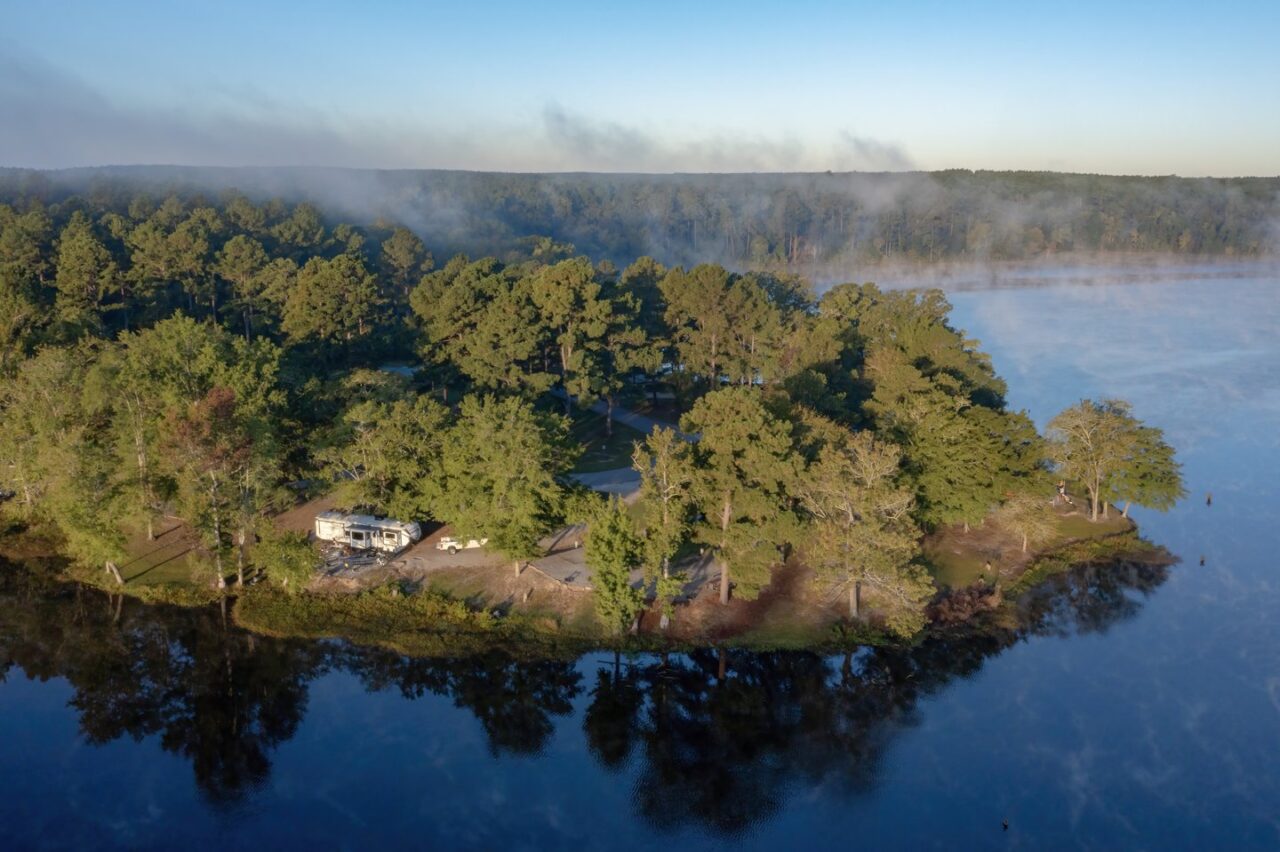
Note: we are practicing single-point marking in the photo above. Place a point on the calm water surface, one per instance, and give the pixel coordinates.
(1134, 708)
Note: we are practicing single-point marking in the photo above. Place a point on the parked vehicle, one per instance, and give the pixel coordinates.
(366, 532)
(452, 544)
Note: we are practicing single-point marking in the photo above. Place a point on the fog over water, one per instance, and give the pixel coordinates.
(1131, 709)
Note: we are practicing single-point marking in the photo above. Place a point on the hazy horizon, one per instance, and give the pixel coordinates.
(615, 173)
(662, 89)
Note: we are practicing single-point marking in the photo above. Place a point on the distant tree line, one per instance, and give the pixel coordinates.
(819, 224)
(191, 357)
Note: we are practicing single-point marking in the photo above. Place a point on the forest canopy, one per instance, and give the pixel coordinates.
(205, 358)
(821, 224)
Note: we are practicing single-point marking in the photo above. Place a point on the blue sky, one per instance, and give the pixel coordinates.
(1147, 88)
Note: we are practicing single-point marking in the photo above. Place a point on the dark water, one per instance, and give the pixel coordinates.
(1131, 707)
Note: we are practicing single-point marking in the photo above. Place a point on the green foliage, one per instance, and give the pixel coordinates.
(961, 457)
(404, 259)
(914, 325)
(732, 326)
(1030, 517)
(388, 455)
(332, 302)
(474, 318)
(665, 464)
(1149, 475)
(287, 559)
(862, 532)
(217, 351)
(745, 463)
(499, 474)
(576, 315)
(56, 454)
(241, 263)
(86, 277)
(1102, 446)
(420, 622)
(612, 550)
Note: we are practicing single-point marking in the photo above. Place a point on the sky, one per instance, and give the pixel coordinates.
(1118, 88)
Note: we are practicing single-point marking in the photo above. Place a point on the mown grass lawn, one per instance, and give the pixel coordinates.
(171, 559)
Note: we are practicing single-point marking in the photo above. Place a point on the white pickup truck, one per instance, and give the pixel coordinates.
(452, 545)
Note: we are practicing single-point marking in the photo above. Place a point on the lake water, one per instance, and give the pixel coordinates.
(1131, 708)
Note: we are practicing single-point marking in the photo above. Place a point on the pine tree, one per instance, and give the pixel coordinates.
(86, 276)
(863, 533)
(499, 472)
(612, 550)
(664, 462)
(745, 462)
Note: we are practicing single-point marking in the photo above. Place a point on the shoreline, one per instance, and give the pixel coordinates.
(425, 623)
(1093, 269)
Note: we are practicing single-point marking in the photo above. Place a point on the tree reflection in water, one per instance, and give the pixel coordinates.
(715, 738)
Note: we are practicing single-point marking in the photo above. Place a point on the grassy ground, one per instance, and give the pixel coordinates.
(603, 453)
(664, 410)
(423, 623)
(463, 610)
(958, 559)
(172, 558)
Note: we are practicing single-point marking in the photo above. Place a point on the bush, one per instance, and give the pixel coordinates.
(963, 604)
(287, 559)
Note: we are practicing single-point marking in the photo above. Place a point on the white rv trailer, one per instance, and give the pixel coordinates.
(366, 532)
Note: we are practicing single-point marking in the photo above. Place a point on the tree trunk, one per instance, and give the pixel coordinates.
(217, 535)
(966, 527)
(1024, 542)
(726, 514)
(240, 558)
(853, 602)
(565, 355)
(1106, 509)
(1125, 513)
(140, 448)
(724, 664)
(516, 564)
(857, 600)
(114, 572)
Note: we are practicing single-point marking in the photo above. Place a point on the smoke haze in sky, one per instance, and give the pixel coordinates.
(655, 87)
